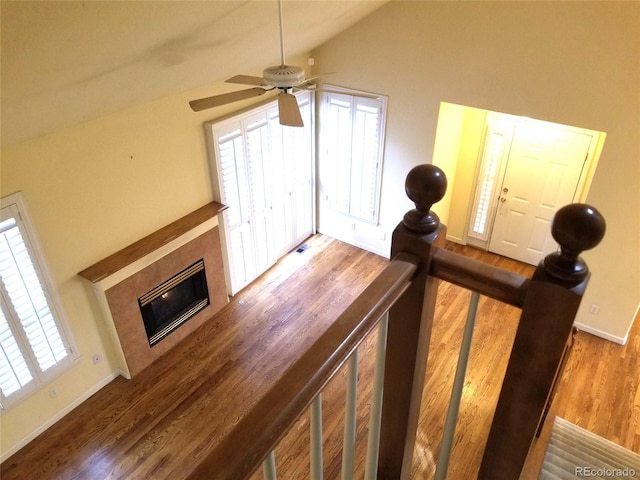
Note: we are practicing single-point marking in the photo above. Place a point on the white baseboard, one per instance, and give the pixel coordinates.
(382, 247)
(601, 334)
(455, 239)
(370, 248)
(101, 384)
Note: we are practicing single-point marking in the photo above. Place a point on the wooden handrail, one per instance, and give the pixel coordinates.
(258, 432)
(485, 279)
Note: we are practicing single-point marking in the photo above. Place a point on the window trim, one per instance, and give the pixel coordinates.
(36, 253)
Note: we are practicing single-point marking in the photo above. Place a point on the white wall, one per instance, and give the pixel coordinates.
(574, 63)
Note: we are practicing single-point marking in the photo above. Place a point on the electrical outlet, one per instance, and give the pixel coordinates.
(96, 358)
(594, 309)
(53, 393)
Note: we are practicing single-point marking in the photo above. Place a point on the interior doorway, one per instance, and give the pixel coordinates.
(508, 177)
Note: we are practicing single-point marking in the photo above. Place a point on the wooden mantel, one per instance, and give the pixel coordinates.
(128, 255)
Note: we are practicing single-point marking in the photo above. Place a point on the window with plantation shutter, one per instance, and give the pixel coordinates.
(235, 192)
(486, 190)
(351, 145)
(264, 173)
(496, 148)
(34, 345)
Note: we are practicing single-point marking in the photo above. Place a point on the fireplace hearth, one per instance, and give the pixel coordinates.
(174, 302)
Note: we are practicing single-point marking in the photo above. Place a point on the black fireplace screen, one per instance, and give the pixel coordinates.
(174, 301)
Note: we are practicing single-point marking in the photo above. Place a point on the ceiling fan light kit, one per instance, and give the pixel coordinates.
(283, 76)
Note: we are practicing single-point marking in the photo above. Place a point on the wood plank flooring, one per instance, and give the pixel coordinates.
(159, 424)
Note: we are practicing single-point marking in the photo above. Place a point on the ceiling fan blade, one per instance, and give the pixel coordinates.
(289, 110)
(223, 99)
(322, 89)
(247, 80)
(318, 76)
(308, 82)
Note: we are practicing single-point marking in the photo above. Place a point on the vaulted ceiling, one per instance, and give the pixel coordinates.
(66, 62)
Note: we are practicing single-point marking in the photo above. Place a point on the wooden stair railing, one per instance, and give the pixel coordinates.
(407, 290)
(258, 432)
(549, 303)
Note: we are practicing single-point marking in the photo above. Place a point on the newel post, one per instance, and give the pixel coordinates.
(550, 306)
(410, 321)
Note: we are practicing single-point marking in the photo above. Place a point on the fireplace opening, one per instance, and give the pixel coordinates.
(174, 301)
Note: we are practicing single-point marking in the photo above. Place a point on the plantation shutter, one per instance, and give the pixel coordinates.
(351, 149)
(494, 155)
(31, 341)
(15, 374)
(235, 194)
(365, 161)
(292, 175)
(258, 159)
(263, 173)
(336, 161)
(301, 162)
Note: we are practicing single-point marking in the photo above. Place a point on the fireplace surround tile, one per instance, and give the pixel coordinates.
(123, 299)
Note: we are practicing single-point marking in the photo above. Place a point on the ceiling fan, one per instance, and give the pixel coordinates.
(283, 77)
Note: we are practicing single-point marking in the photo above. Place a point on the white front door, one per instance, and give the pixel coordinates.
(542, 174)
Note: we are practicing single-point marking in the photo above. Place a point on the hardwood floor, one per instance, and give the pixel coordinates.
(159, 424)
(600, 388)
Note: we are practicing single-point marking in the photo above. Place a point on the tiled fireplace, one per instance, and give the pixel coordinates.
(137, 286)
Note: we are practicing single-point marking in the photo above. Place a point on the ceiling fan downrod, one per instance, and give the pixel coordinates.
(283, 76)
(281, 34)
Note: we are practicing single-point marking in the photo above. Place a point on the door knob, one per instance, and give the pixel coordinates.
(502, 199)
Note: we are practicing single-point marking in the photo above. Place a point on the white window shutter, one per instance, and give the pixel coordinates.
(301, 161)
(493, 158)
(34, 346)
(28, 299)
(14, 372)
(351, 139)
(257, 172)
(365, 160)
(337, 143)
(258, 161)
(235, 194)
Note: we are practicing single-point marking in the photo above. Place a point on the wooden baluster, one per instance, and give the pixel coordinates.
(410, 321)
(550, 305)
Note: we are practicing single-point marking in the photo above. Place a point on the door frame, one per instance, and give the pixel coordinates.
(505, 124)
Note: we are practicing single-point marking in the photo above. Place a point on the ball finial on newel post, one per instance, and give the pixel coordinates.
(576, 227)
(425, 185)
